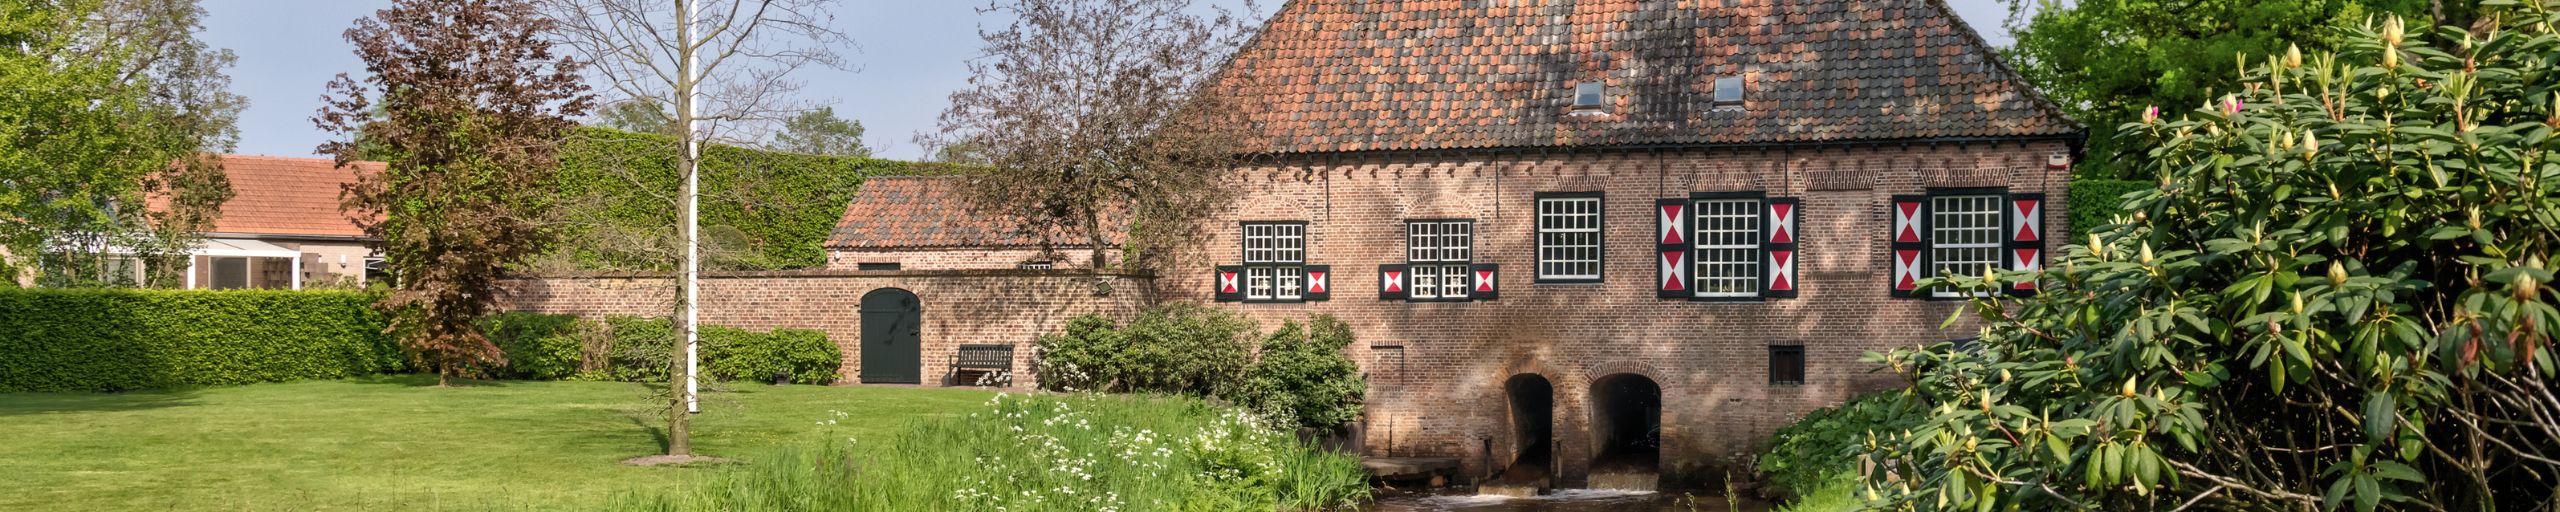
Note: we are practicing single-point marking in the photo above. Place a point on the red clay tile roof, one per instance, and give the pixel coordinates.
(918, 212)
(1355, 75)
(287, 196)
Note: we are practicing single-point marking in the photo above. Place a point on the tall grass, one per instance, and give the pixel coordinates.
(1033, 453)
(1837, 493)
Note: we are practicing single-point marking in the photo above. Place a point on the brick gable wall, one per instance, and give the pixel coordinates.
(1442, 392)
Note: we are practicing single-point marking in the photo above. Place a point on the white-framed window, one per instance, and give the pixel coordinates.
(1569, 238)
(1275, 255)
(1727, 254)
(1437, 253)
(1964, 236)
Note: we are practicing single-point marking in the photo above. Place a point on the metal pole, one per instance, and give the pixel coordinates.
(692, 209)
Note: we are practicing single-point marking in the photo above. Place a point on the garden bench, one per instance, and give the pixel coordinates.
(992, 361)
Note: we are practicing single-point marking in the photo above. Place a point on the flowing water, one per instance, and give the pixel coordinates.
(1563, 500)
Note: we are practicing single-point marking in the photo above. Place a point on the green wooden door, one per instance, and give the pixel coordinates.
(892, 337)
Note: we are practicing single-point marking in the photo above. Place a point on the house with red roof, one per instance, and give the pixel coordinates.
(923, 223)
(1617, 243)
(284, 228)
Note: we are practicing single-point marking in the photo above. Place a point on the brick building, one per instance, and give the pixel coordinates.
(1589, 239)
(911, 279)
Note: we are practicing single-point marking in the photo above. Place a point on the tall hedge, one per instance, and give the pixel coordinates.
(2098, 202)
(768, 210)
(115, 340)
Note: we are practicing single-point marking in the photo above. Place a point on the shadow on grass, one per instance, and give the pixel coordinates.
(17, 404)
(416, 380)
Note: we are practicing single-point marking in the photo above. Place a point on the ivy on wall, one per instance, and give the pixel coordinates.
(761, 210)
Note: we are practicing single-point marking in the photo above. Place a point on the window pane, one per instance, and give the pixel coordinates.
(1728, 248)
(1292, 280)
(1257, 282)
(1569, 238)
(1965, 236)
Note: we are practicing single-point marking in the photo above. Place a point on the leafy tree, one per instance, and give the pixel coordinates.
(2105, 62)
(719, 64)
(638, 116)
(820, 132)
(113, 111)
(2335, 298)
(465, 102)
(1096, 116)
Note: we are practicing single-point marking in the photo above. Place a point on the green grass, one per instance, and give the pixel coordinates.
(393, 442)
(1041, 453)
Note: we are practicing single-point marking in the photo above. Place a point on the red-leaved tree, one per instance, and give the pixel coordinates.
(465, 102)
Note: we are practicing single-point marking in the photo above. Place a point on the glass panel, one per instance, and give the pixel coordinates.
(1728, 248)
(1964, 236)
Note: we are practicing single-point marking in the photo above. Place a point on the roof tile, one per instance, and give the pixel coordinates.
(1351, 75)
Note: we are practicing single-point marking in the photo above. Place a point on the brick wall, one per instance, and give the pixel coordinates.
(960, 307)
(959, 259)
(1442, 392)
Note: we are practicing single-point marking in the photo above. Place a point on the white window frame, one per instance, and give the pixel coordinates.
(1569, 237)
(1439, 254)
(1966, 236)
(1725, 251)
(1275, 258)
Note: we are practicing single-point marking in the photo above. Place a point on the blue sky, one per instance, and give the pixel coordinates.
(912, 55)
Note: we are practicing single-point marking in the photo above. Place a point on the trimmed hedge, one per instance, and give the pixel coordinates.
(763, 210)
(2098, 202)
(117, 340)
(638, 349)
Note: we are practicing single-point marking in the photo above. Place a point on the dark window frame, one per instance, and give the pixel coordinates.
(1778, 372)
(1930, 240)
(1410, 264)
(1697, 237)
(1538, 241)
(1244, 251)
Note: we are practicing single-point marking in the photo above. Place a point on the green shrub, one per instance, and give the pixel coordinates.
(537, 346)
(640, 348)
(781, 357)
(115, 340)
(1179, 349)
(1302, 377)
(1836, 494)
(1824, 445)
(2096, 203)
(1042, 453)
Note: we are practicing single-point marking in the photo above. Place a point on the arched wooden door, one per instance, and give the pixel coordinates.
(892, 337)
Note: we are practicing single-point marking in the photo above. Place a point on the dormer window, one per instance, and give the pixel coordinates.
(1729, 92)
(1590, 98)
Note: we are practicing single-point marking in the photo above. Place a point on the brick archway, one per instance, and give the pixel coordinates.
(1625, 417)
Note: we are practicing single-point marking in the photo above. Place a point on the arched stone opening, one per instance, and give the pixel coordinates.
(1533, 405)
(1626, 425)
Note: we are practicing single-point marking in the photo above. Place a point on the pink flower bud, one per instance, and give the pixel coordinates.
(2151, 114)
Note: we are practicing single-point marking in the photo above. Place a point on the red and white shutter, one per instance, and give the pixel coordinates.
(1393, 281)
(1319, 283)
(1779, 247)
(1910, 247)
(1671, 248)
(2026, 240)
(1484, 282)
(1230, 283)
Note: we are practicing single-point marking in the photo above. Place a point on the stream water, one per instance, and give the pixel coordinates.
(1563, 500)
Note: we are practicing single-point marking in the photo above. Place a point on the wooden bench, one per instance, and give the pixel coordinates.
(993, 363)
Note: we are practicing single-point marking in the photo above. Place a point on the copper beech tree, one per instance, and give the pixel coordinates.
(464, 101)
(1102, 115)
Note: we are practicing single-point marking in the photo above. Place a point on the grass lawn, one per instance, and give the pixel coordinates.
(397, 442)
